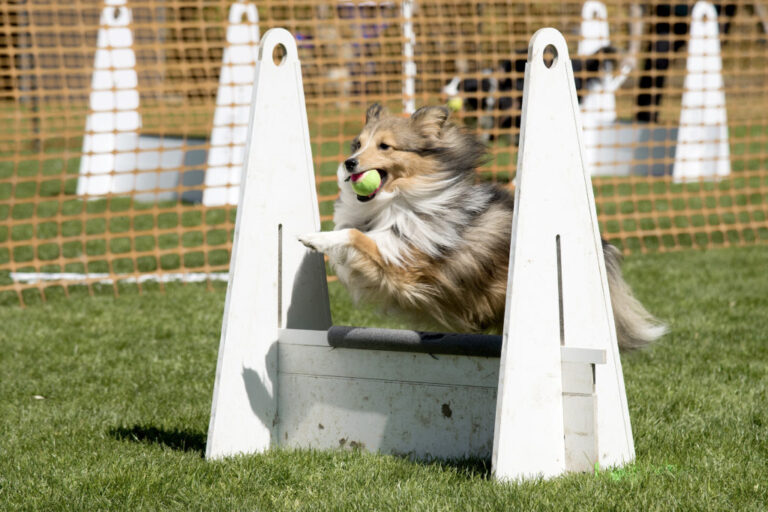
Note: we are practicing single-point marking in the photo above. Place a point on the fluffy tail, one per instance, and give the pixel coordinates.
(635, 326)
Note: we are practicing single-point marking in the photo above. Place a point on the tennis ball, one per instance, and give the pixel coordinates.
(366, 183)
(455, 103)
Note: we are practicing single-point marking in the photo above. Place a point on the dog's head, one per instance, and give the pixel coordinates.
(410, 153)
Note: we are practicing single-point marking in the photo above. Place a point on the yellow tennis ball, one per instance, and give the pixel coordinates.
(455, 103)
(366, 183)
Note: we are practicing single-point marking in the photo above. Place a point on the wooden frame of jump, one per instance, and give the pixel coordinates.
(553, 402)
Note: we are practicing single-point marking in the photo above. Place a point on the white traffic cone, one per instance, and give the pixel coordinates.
(598, 107)
(233, 102)
(702, 141)
(112, 127)
(594, 28)
(599, 104)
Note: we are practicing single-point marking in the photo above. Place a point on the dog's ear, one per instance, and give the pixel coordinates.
(374, 112)
(430, 120)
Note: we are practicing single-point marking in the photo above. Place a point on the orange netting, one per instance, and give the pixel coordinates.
(116, 164)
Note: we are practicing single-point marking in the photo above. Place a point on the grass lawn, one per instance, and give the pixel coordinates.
(104, 405)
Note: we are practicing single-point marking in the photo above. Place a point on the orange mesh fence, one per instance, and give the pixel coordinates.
(119, 166)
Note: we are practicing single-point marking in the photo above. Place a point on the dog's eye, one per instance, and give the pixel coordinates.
(384, 146)
(354, 146)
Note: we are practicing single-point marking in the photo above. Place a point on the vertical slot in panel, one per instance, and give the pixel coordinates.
(280, 275)
(560, 290)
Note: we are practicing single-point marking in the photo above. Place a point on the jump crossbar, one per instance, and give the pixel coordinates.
(420, 342)
(401, 340)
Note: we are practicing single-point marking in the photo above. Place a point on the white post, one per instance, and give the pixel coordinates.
(598, 105)
(594, 28)
(274, 281)
(702, 140)
(112, 127)
(409, 66)
(230, 120)
(557, 278)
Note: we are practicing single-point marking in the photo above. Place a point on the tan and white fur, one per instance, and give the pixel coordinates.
(432, 241)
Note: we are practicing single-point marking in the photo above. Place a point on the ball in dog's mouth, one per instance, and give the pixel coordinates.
(355, 177)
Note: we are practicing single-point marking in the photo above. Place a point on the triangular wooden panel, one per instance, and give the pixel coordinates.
(274, 281)
(559, 292)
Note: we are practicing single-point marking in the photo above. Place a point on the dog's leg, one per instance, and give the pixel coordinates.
(325, 241)
(331, 242)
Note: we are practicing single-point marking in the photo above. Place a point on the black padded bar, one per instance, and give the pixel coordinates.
(397, 340)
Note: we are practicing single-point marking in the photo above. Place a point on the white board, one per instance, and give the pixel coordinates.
(402, 403)
(275, 282)
(555, 252)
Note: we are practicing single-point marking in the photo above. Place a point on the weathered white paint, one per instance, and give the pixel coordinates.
(112, 126)
(233, 99)
(580, 431)
(554, 199)
(702, 143)
(275, 282)
(391, 402)
(403, 403)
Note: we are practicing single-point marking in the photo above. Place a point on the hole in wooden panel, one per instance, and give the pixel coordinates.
(279, 53)
(550, 56)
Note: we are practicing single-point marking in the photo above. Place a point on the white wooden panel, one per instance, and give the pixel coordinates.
(320, 339)
(387, 416)
(578, 378)
(394, 366)
(580, 442)
(553, 201)
(582, 355)
(274, 281)
(394, 402)
(322, 360)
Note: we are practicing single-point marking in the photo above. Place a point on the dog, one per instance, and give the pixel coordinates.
(433, 241)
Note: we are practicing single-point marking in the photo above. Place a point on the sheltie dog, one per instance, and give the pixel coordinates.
(431, 241)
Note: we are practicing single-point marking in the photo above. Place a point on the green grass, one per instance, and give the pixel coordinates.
(104, 405)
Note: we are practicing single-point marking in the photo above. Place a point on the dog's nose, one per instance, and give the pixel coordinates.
(350, 164)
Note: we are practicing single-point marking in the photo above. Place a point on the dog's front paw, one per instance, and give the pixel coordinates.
(324, 240)
(310, 240)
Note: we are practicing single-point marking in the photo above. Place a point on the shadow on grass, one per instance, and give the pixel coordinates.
(182, 440)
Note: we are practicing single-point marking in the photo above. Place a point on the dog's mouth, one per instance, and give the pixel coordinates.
(357, 175)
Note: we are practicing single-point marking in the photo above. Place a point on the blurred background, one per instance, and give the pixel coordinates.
(124, 121)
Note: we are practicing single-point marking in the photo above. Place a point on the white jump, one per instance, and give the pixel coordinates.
(233, 105)
(284, 379)
(699, 147)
